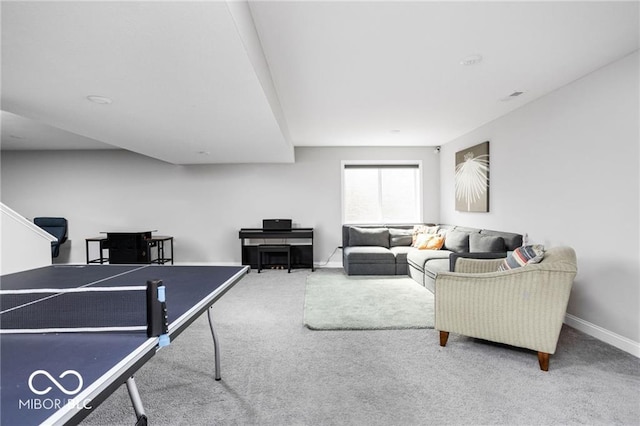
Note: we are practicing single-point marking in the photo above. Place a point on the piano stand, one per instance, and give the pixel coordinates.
(274, 248)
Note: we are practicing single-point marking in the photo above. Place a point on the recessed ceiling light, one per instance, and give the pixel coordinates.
(102, 100)
(471, 60)
(395, 131)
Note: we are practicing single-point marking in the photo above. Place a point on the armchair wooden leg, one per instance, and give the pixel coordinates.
(543, 360)
(444, 336)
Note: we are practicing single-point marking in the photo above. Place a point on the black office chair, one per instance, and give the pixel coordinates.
(56, 226)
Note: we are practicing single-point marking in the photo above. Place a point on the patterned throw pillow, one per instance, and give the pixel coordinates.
(419, 230)
(522, 256)
(425, 229)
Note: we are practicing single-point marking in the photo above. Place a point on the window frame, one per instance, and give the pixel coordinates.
(344, 164)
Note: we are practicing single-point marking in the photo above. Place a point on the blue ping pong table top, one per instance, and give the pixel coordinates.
(103, 361)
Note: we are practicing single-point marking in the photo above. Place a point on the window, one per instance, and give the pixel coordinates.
(382, 192)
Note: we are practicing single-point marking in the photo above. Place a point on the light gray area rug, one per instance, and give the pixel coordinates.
(336, 301)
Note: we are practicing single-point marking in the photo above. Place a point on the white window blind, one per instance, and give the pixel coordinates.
(381, 192)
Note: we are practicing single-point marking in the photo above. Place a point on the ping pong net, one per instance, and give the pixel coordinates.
(86, 309)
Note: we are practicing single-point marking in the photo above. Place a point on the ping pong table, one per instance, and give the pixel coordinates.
(59, 378)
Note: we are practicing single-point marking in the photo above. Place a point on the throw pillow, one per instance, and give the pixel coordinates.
(368, 237)
(435, 243)
(522, 256)
(422, 229)
(425, 229)
(457, 241)
(486, 243)
(429, 242)
(400, 237)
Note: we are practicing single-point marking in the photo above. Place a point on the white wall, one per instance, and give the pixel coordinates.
(203, 207)
(564, 169)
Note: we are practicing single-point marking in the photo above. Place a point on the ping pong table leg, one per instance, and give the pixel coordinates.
(136, 402)
(216, 346)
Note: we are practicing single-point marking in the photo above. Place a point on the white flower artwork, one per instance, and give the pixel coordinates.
(472, 179)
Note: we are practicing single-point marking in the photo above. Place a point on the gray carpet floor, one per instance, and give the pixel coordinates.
(275, 371)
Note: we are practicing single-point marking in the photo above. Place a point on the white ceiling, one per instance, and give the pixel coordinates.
(237, 82)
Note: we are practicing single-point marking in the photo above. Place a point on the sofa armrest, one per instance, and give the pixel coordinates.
(480, 267)
(524, 307)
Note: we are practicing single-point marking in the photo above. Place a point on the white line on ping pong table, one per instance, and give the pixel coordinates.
(73, 290)
(72, 330)
(82, 286)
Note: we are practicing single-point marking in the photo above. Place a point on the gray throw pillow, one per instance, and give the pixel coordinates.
(368, 237)
(400, 237)
(457, 241)
(479, 243)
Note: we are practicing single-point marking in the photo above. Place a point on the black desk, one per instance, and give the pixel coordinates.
(131, 248)
(301, 254)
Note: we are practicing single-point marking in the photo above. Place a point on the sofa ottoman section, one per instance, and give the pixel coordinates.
(369, 260)
(400, 253)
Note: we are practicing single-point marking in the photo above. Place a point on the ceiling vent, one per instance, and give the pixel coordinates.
(471, 60)
(512, 96)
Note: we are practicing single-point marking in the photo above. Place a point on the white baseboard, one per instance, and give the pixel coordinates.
(207, 264)
(329, 265)
(337, 264)
(603, 334)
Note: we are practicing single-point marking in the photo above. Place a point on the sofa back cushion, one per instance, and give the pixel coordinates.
(368, 237)
(466, 229)
(511, 240)
(486, 243)
(400, 237)
(457, 241)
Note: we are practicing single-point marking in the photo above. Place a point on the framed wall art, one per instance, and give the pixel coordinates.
(472, 179)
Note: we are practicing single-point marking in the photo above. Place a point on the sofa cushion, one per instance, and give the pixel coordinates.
(369, 254)
(400, 252)
(486, 243)
(418, 258)
(368, 237)
(434, 266)
(457, 241)
(522, 256)
(400, 237)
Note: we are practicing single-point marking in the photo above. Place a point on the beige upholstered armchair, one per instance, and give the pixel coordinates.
(523, 307)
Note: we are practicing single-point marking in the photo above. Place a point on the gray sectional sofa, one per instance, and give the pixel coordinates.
(387, 250)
